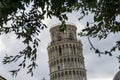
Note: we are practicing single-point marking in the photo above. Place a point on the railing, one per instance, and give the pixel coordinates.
(66, 39)
(67, 23)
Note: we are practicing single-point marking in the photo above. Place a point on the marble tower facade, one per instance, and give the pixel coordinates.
(66, 61)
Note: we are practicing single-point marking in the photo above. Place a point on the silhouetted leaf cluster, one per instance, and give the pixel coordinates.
(106, 21)
(25, 17)
(25, 20)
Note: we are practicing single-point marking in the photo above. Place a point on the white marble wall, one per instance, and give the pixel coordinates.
(66, 59)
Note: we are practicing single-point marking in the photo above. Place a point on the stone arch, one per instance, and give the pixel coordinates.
(73, 72)
(67, 45)
(64, 59)
(80, 72)
(76, 62)
(68, 59)
(53, 52)
(54, 62)
(62, 74)
(63, 49)
(62, 45)
(57, 50)
(77, 50)
(66, 73)
(70, 72)
(70, 45)
(77, 72)
(58, 74)
(55, 75)
(60, 50)
(50, 53)
(74, 50)
(75, 59)
(72, 59)
(55, 47)
(71, 36)
(57, 61)
(61, 60)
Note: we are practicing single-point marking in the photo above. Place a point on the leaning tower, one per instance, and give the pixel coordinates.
(66, 61)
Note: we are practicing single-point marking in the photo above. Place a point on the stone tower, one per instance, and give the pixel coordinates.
(66, 61)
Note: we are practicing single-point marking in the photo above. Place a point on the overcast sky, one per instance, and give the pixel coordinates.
(98, 68)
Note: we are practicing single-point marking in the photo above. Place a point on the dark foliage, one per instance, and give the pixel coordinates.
(27, 24)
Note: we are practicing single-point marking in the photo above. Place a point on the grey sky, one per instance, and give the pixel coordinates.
(98, 68)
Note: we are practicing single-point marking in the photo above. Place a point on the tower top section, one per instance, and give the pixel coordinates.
(68, 34)
(65, 52)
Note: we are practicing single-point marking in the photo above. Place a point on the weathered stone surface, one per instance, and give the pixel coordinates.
(66, 61)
